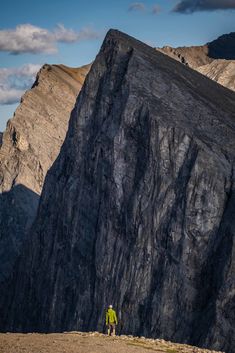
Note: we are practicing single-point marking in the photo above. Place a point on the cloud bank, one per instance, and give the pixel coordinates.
(137, 6)
(27, 38)
(14, 82)
(190, 6)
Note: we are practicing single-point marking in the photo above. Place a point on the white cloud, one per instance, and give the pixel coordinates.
(27, 38)
(10, 96)
(137, 6)
(14, 82)
(25, 70)
(156, 9)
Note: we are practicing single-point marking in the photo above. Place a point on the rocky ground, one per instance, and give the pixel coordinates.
(93, 342)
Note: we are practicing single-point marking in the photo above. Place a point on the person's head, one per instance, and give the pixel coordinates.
(110, 307)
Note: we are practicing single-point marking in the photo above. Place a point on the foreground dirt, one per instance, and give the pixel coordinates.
(78, 342)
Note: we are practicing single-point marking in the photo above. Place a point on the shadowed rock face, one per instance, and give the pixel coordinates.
(216, 59)
(223, 47)
(138, 209)
(28, 148)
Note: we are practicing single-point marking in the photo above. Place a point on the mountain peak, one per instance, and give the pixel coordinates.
(115, 36)
(222, 47)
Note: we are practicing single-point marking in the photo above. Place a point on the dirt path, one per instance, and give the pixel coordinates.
(77, 342)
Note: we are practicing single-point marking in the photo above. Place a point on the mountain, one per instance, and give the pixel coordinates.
(138, 208)
(216, 59)
(29, 146)
(34, 136)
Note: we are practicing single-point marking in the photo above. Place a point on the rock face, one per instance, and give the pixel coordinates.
(30, 144)
(221, 71)
(216, 59)
(138, 209)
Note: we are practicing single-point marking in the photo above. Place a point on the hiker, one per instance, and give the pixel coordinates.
(111, 320)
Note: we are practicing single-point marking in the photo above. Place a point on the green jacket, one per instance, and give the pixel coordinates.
(111, 317)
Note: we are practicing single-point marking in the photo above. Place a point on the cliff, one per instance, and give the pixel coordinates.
(29, 146)
(138, 208)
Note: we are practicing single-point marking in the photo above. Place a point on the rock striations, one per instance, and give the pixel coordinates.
(30, 144)
(138, 209)
(221, 71)
(216, 59)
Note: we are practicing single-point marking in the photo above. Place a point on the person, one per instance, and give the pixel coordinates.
(111, 321)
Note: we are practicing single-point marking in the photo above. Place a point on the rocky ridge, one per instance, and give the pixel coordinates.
(193, 57)
(30, 145)
(216, 59)
(89, 342)
(138, 208)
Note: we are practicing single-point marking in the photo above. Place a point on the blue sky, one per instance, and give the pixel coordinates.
(71, 32)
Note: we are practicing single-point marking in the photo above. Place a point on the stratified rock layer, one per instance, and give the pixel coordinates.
(221, 71)
(30, 145)
(138, 209)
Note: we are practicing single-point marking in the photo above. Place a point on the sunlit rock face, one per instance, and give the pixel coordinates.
(138, 208)
(28, 148)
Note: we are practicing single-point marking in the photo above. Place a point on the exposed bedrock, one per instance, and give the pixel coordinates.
(28, 148)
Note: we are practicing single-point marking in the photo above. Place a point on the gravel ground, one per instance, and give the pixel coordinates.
(78, 342)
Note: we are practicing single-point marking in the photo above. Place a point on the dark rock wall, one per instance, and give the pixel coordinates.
(222, 47)
(138, 208)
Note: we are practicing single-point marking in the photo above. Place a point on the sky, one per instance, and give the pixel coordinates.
(71, 32)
